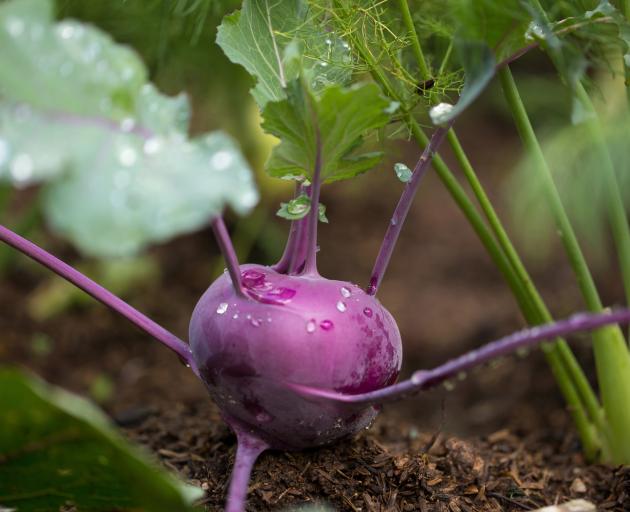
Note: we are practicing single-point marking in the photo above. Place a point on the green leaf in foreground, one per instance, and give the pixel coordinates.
(119, 168)
(276, 41)
(343, 116)
(57, 449)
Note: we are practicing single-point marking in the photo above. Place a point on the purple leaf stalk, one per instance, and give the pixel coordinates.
(292, 359)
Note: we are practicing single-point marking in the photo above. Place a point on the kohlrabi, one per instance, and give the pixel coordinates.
(295, 360)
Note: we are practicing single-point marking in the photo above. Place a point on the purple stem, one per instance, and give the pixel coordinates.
(229, 254)
(284, 264)
(402, 209)
(310, 267)
(425, 379)
(99, 293)
(248, 449)
(298, 258)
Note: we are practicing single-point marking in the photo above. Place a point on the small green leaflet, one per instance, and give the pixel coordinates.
(342, 114)
(276, 41)
(403, 173)
(58, 449)
(299, 207)
(119, 169)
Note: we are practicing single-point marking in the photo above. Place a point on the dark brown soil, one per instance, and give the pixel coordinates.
(500, 441)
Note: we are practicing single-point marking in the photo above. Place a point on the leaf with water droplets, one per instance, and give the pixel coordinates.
(119, 168)
(299, 207)
(126, 202)
(269, 38)
(343, 116)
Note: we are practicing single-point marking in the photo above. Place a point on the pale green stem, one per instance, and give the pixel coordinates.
(560, 350)
(611, 354)
(425, 73)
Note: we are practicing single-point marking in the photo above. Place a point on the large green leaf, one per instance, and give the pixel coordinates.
(57, 449)
(342, 115)
(277, 40)
(77, 112)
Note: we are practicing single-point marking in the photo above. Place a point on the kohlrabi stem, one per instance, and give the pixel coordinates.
(612, 357)
(402, 209)
(556, 354)
(425, 73)
(310, 267)
(99, 293)
(248, 449)
(290, 248)
(298, 258)
(426, 379)
(229, 254)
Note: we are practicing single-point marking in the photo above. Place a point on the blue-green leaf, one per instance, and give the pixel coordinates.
(77, 112)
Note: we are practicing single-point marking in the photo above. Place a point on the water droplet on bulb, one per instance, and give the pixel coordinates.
(341, 306)
(368, 312)
(255, 322)
(326, 325)
(345, 292)
(310, 326)
(235, 316)
(222, 308)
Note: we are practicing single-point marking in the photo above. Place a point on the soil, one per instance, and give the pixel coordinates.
(501, 440)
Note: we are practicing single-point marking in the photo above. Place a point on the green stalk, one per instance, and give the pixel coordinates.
(588, 436)
(611, 354)
(425, 73)
(541, 315)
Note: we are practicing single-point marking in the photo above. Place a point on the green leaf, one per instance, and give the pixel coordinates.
(499, 24)
(342, 115)
(276, 41)
(296, 208)
(299, 207)
(128, 200)
(322, 213)
(120, 169)
(577, 37)
(57, 449)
